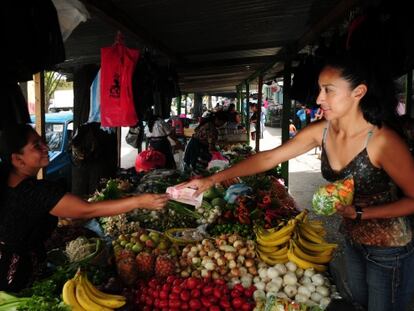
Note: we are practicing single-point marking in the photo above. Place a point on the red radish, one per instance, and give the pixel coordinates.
(237, 303)
(205, 301)
(247, 307)
(170, 279)
(153, 283)
(174, 303)
(219, 282)
(195, 293)
(163, 304)
(173, 296)
(207, 290)
(191, 282)
(217, 293)
(184, 306)
(194, 304)
(185, 295)
(176, 289)
(239, 287)
(225, 303)
(235, 293)
(163, 294)
(214, 308)
(149, 301)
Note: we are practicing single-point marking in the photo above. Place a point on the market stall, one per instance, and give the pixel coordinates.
(243, 247)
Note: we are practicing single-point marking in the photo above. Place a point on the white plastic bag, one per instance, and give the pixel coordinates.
(70, 14)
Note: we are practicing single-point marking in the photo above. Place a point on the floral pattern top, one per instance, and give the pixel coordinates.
(372, 187)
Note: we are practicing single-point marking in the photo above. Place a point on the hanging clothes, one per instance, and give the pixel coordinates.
(117, 103)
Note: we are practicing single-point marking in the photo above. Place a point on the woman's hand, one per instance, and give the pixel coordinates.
(201, 185)
(346, 211)
(152, 201)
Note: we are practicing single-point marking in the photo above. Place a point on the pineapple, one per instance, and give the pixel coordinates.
(164, 266)
(145, 262)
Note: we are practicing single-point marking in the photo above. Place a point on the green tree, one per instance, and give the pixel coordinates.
(52, 81)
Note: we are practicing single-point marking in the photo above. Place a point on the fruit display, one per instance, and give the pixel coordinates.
(143, 254)
(299, 240)
(328, 197)
(80, 294)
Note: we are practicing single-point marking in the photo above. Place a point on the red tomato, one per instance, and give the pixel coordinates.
(225, 303)
(163, 294)
(207, 290)
(214, 308)
(163, 303)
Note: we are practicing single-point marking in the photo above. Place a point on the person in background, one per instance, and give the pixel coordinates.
(234, 118)
(292, 129)
(358, 139)
(158, 131)
(29, 208)
(203, 142)
(301, 114)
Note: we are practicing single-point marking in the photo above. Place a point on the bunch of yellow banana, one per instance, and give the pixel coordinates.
(309, 249)
(272, 244)
(299, 240)
(82, 295)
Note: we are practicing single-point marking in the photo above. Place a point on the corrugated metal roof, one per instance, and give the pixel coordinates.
(214, 44)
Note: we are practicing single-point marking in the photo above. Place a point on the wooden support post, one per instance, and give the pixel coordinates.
(286, 111)
(247, 112)
(178, 105)
(39, 83)
(259, 112)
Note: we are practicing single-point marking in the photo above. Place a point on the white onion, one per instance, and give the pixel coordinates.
(259, 295)
(260, 285)
(317, 279)
(290, 290)
(281, 268)
(325, 301)
(301, 298)
(290, 278)
(299, 272)
(303, 290)
(315, 296)
(309, 272)
(281, 295)
(323, 290)
(273, 287)
(272, 273)
(291, 266)
(263, 273)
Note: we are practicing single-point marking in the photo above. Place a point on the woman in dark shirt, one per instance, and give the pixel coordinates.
(357, 139)
(29, 207)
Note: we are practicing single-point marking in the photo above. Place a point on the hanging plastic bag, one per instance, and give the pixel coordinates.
(70, 14)
(117, 103)
(328, 197)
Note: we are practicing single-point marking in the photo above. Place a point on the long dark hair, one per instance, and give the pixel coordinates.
(380, 102)
(12, 140)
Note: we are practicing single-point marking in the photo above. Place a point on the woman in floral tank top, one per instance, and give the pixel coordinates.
(356, 137)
